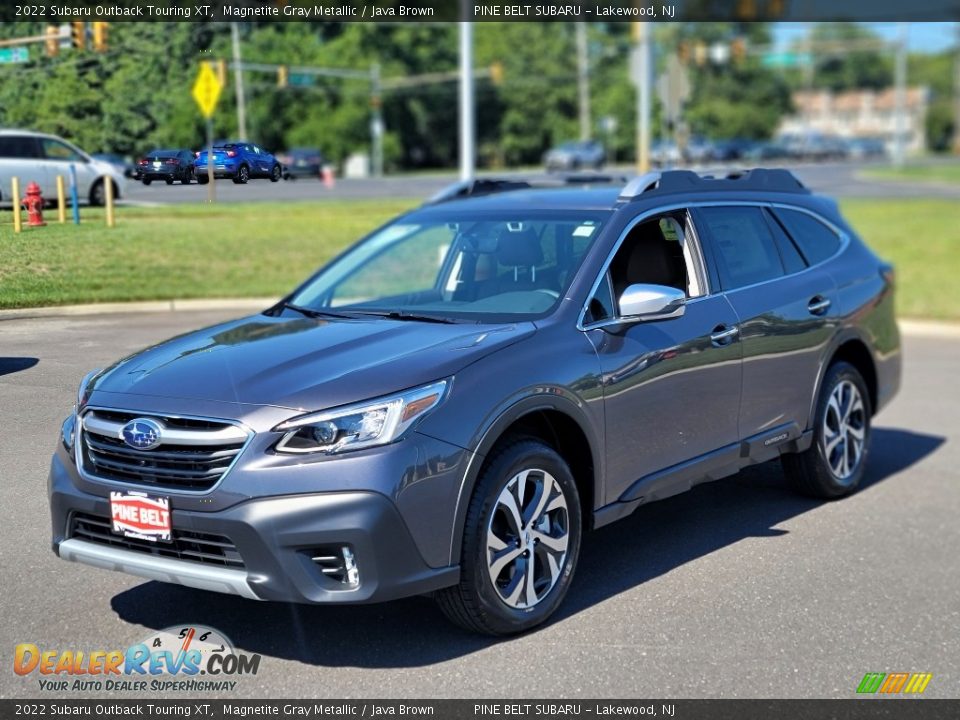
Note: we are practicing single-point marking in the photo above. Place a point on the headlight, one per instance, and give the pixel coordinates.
(363, 425)
(67, 431)
(82, 390)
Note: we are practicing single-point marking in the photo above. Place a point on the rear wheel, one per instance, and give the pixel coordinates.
(242, 176)
(834, 464)
(98, 193)
(147, 181)
(521, 542)
(169, 181)
(203, 178)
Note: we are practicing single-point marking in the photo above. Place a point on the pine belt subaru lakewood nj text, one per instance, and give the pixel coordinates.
(448, 405)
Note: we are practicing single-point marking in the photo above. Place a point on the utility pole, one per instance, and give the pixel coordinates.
(238, 80)
(583, 80)
(467, 120)
(376, 120)
(900, 98)
(956, 95)
(644, 63)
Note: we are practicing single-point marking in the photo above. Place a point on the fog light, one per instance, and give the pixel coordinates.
(350, 565)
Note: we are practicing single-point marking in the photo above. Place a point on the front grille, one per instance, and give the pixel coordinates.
(186, 544)
(193, 454)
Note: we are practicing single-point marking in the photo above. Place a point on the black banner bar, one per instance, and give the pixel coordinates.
(53, 11)
(858, 709)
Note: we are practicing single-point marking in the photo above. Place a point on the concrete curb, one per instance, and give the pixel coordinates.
(140, 307)
(929, 328)
(920, 328)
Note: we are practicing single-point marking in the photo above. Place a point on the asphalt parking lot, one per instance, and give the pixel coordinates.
(839, 179)
(737, 589)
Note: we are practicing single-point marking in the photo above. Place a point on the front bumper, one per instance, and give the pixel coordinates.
(276, 537)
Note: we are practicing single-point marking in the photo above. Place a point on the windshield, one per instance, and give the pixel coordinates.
(495, 266)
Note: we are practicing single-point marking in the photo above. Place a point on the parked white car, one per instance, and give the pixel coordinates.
(37, 157)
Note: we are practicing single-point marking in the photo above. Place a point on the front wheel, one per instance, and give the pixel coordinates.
(147, 181)
(834, 464)
(169, 181)
(521, 542)
(275, 174)
(203, 178)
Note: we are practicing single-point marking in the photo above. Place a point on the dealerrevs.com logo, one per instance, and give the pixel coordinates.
(187, 658)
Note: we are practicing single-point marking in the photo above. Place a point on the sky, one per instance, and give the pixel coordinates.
(922, 37)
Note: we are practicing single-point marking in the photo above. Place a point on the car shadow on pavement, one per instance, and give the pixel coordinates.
(412, 632)
(10, 365)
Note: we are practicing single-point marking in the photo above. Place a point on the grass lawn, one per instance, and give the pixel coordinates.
(256, 250)
(919, 173)
(183, 251)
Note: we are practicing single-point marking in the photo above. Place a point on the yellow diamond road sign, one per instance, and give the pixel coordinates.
(206, 90)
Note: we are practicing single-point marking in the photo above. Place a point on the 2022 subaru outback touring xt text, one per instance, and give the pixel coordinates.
(448, 405)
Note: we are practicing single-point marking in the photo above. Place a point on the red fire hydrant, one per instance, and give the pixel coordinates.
(33, 202)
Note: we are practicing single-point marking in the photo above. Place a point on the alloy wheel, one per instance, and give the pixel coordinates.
(527, 538)
(844, 430)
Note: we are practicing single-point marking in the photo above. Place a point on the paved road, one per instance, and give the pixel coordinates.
(737, 589)
(837, 179)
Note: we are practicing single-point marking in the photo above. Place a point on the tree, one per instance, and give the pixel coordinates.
(845, 60)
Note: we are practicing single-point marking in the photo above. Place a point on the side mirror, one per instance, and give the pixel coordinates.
(651, 302)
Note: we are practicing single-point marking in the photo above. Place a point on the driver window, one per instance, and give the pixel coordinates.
(655, 252)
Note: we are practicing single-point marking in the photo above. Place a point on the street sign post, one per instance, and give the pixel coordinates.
(11, 55)
(206, 92)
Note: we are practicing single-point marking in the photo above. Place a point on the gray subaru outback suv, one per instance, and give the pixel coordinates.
(448, 405)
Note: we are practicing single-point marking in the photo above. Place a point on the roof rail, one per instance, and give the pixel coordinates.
(671, 181)
(493, 185)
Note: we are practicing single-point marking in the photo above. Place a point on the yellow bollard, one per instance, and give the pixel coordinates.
(17, 226)
(61, 201)
(108, 186)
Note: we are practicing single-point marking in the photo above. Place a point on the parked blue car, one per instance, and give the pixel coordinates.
(238, 161)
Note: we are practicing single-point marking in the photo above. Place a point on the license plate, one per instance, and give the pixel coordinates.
(156, 165)
(140, 516)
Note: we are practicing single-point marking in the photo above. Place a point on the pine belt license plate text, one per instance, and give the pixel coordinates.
(141, 516)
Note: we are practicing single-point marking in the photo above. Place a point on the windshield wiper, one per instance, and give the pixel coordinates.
(403, 315)
(311, 313)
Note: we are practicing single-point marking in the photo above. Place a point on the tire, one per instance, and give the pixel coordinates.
(242, 176)
(508, 604)
(275, 174)
(169, 181)
(147, 181)
(843, 411)
(98, 196)
(187, 178)
(203, 179)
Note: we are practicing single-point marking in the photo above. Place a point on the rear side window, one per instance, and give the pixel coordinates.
(792, 259)
(745, 249)
(816, 241)
(18, 146)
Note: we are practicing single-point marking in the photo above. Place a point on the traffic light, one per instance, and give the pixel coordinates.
(496, 72)
(78, 35)
(283, 76)
(100, 36)
(52, 42)
(738, 49)
(700, 52)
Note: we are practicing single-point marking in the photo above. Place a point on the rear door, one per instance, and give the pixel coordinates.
(19, 158)
(786, 314)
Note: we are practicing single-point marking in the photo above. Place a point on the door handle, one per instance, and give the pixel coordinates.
(722, 335)
(818, 305)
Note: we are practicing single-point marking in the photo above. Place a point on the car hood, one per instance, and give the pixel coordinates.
(303, 363)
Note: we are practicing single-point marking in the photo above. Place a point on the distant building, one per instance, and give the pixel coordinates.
(859, 113)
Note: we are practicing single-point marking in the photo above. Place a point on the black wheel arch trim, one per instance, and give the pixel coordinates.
(554, 398)
(841, 337)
